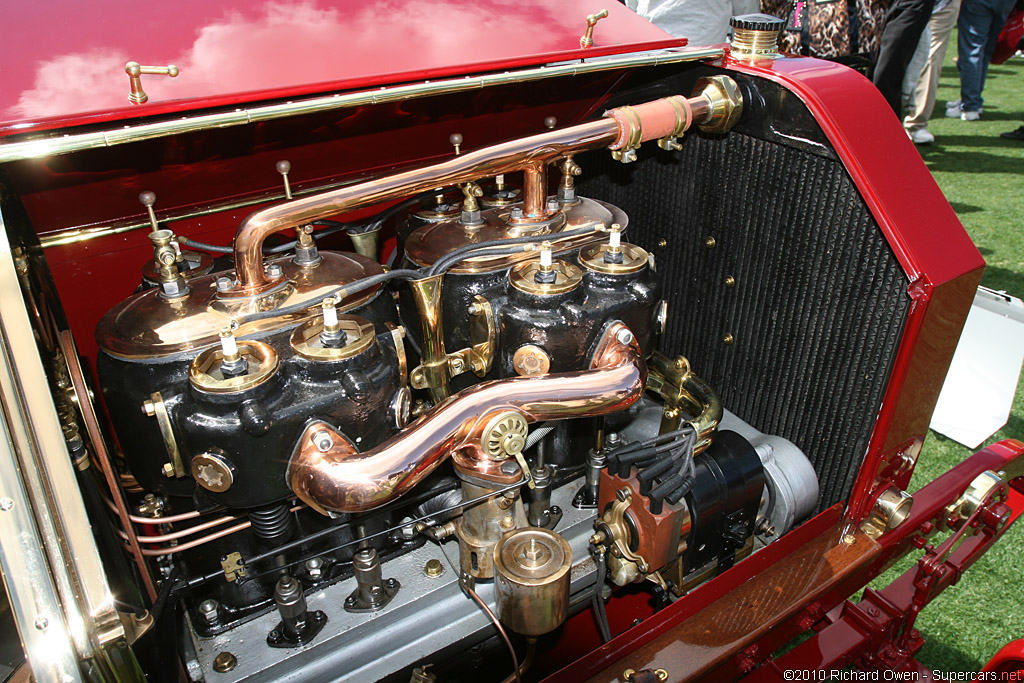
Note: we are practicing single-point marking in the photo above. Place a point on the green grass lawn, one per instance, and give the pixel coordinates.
(982, 176)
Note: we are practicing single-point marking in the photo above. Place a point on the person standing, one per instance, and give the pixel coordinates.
(978, 32)
(904, 22)
(941, 26)
(703, 22)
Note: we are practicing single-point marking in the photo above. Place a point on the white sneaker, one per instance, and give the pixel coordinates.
(955, 110)
(970, 115)
(920, 136)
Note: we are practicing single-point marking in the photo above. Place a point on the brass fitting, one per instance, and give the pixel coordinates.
(587, 39)
(725, 102)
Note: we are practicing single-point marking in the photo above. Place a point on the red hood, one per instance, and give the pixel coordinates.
(64, 61)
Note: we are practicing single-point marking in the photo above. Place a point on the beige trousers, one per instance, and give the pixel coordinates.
(941, 24)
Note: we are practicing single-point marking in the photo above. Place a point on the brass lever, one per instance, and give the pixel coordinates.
(135, 71)
(587, 39)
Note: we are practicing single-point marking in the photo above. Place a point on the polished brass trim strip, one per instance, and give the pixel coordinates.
(33, 149)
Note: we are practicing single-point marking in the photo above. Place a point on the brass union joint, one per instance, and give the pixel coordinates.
(725, 103)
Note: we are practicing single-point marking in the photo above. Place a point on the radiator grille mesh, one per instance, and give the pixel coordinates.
(819, 300)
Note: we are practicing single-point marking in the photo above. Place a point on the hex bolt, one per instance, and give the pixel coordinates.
(624, 336)
(509, 467)
(224, 662)
(274, 271)
(517, 213)
(315, 568)
(553, 205)
(224, 284)
(208, 611)
(323, 441)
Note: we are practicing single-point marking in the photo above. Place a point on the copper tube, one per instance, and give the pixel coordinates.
(488, 161)
(196, 542)
(530, 152)
(92, 427)
(341, 478)
(161, 520)
(159, 552)
(516, 673)
(184, 533)
(534, 191)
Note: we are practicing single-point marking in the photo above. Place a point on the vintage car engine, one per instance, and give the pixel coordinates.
(502, 394)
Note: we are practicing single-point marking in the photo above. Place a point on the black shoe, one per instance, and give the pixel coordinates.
(1014, 134)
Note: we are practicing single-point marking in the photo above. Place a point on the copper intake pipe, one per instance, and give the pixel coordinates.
(328, 473)
(622, 129)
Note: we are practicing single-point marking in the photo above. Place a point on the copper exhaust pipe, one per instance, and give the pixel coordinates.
(328, 473)
(623, 128)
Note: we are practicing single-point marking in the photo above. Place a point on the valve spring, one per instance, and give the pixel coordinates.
(272, 525)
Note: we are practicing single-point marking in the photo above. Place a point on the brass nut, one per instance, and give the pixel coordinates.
(433, 568)
(148, 408)
(726, 103)
(168, 470)
(224, 662)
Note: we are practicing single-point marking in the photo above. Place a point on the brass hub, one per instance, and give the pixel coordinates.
(523, 277)
(205, 373)
(504, 435)
(634, 259)
(359, 335)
